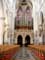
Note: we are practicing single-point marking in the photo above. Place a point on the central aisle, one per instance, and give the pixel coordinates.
(23, 54)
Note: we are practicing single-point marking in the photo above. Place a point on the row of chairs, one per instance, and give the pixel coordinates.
(38, 50)
(8, 51)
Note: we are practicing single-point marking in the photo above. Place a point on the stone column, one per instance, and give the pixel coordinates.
(1, 22)
(1, 30)
(6, 29)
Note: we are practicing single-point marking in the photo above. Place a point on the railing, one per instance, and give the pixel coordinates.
(23, 24)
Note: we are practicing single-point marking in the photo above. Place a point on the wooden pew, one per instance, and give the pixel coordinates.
(38, 50)
(7, 51)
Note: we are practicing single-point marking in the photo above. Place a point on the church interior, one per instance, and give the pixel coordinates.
(22, 29)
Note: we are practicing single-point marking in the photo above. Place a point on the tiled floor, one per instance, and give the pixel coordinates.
(23, 54)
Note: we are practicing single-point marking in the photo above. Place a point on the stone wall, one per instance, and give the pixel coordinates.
(23, 33)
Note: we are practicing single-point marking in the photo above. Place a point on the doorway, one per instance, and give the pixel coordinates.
(20, 42)
(27, 40)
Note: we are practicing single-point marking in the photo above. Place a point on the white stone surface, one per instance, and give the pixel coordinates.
(1, 23)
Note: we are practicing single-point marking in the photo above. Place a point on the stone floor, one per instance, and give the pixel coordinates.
(23, 54)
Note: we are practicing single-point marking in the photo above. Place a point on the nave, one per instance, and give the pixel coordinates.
(23, 54)
(15, 52)
(22, 22)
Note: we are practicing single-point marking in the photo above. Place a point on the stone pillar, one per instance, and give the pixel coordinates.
(1, 23)
(1, 30)
(6, 28)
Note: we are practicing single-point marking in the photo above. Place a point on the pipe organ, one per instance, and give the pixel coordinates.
(23, 18)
